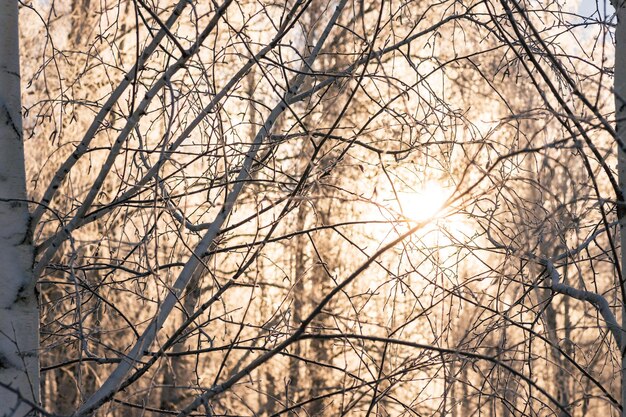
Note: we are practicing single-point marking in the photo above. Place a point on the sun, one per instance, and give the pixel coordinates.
(425, 203)
(430, 207)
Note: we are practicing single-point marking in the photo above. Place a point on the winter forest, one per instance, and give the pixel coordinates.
(313, 208)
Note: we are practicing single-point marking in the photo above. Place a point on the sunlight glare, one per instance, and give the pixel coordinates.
(425, 203)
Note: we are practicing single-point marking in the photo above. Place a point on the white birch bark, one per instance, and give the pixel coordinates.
(19, 317)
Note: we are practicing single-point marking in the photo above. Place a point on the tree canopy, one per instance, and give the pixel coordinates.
(313, 208)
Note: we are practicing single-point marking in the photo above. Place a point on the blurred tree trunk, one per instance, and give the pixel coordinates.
(178, 375)
(80, 9)
(320, 351)
(19, 314)
(299, 303)
(315, 378)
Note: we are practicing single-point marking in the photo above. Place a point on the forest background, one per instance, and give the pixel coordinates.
(312, 207)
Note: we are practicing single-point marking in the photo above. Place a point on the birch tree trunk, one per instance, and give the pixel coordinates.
(19, 318)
